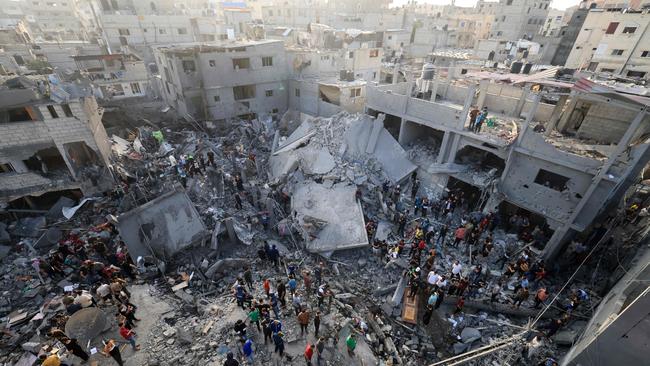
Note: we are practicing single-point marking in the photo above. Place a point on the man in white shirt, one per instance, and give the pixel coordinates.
(456, 269)
(433, 278)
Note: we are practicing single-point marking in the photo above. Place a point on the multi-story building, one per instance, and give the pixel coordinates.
(37, 56)
(553, 24)
(115, 76)
(568, 35)
(517, 19)
(54, 20)
(51, 140)
(613, 41)
(224, 80)
(513, 166)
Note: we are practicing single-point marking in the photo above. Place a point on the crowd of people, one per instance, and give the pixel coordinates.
(429, 231)
(295, 294)
(98, 262)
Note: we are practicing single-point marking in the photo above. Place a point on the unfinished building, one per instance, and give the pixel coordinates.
(224, 80)
(591, 151)
(51, 140)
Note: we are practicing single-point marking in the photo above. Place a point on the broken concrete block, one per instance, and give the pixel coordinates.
(184, 337)
(33, 347)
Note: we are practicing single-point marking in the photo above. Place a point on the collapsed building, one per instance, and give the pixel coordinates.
(52, 141)
(566, 163)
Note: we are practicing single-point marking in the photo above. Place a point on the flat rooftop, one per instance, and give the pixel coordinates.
(213, 46)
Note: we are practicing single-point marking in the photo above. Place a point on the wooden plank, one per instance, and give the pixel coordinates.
(410, 309)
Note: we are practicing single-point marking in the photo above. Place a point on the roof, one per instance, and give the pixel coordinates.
(212, 46)
(585, 85)
(114, 56)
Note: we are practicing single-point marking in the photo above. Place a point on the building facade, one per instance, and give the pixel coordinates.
(612, 41)
(224, 80)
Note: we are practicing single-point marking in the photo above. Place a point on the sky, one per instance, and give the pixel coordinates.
(556, 4)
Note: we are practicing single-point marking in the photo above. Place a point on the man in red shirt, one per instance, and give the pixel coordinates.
(309, 352)
(129, 335)
(459, 235)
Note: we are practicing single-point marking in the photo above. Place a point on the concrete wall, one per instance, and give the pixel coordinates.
(170, 221)
(606, 124)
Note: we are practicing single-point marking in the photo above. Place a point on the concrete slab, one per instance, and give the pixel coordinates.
(164, 225)
(344, 228)
(387, 151)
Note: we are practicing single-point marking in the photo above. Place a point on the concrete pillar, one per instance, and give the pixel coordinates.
(567, 111)
(555, 242)
(450, 70)
(401, 139)
(469, 98)
(482, 92)
(377, 126)
(443, 148)
(523, 131)
(519, 107)
(492, 202)
(555, 116)
(395, 73)
(434, 89)
(454, 148)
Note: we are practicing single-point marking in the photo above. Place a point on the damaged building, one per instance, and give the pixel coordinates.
(591, 149)
(52, 140)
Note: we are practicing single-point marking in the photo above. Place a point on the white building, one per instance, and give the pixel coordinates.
(613, 42)
(517, 19)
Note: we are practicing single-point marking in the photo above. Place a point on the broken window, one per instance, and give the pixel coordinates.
(645, 54)
(52, 111)
(241, 63)
(267, 61)
(629, 30)
(189, 66)
(269, 93)
(617, 52)
(67, 110)
(244, 92)
(212, 63)
(636, 74)
(182, 30)
(551, 180)
(217, 98)
(18, 115)
(124, 32)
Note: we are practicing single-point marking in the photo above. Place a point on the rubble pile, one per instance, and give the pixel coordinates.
(245, 185)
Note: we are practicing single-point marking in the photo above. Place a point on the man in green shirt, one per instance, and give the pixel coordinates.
(254, 316)
(351, 342)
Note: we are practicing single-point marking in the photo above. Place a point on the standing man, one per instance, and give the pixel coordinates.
(472, 117)
(247, 349)
(303, 319)
(111, 349)
(316, 323)
(320, 348)
(309, 353)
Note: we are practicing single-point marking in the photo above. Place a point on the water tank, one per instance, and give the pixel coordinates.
(516, 67)
(527, 68)
(427, 71)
